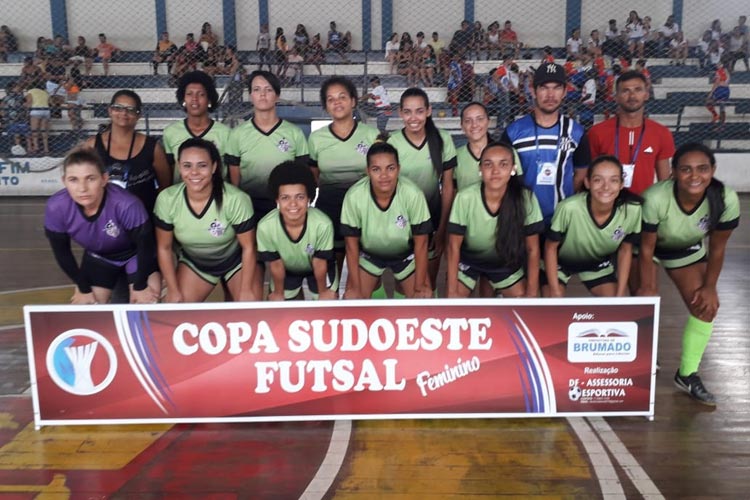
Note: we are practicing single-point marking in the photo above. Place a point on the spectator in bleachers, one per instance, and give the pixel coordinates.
(301, 40)
(738, 48)
(427, 68)
(640, 66)
(651, 38)
(454, 79)
(742, 23)
(83, 54)
(230, 63)
(634, 32)
(715, 55)
(547, 55)
(511, 84)
(8, 44)
(494, 49)
(14, 111)
(55, 89)
(702, 49)
(37, 100)
(379, 104)
(573, 45)
(105, 51)
(667, 32)
(196, 94)
(719, 94)
(338, 42)
(295, 61)
(132, 159)
(208, 38)
(281, 52)
(73, 103)
(420, 43)
(478, 40)
(263, 46)
(716, 30)
(187, 57)
(608, 90)
(678, 49)
(509, 42)
(438, 46)
(43, 47)
(588, 99)
(31, 73)
(165, 51)
(406, 52)
(614, 44)
(461, 40)
(391, 52)
(594, 43)
(315, 53)
(642, 145)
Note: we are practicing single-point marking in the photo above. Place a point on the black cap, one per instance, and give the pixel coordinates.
(549, 72)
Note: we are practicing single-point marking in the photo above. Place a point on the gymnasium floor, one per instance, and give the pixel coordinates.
(688, 451)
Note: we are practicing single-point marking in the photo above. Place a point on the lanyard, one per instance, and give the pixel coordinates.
(633, 154)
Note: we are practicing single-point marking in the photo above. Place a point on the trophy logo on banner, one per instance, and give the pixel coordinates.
(81, 362)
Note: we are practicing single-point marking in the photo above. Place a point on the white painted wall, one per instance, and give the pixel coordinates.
(698, 15)
(129, 25)
(187, 17)
(247, 24)
(537, 22)
(424, 15)
(27, 20)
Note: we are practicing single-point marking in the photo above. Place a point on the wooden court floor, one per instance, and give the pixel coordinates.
(688, 451)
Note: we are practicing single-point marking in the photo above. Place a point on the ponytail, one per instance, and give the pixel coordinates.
(510, 237)
(716, 205)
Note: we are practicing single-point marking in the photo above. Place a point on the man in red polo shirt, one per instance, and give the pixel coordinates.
(509, 40)
(643, 146)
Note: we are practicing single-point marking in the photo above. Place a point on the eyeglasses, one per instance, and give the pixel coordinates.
(131, 110)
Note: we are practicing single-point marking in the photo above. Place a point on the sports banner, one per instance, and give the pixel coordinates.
(350, 359)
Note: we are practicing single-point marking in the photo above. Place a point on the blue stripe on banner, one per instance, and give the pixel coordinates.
(134, 321)
(367, 26)
(533, 371)
(161, 17)
(230, 22)
(523, 353)
(59, 13)
(524, 386)
(150, 340)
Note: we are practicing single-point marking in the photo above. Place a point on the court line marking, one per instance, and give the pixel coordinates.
(36, 289)
(10, 327)
(627, 461)
(605, 473)
(331, 466)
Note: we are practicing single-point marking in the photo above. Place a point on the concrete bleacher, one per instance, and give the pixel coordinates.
(679, 94)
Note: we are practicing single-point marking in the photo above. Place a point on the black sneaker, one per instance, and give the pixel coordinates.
(693, 385)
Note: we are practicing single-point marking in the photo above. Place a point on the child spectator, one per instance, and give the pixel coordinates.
(315, 53)
(15, 118)
(379, 103)
(678, 49)
(105, 51)
(263, 46)
(573, 45)
(165, 51)
(337, 42)
(82, 54)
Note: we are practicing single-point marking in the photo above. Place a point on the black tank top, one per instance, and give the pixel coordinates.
(136, 173)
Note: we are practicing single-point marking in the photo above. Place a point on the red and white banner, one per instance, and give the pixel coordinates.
(349, 359)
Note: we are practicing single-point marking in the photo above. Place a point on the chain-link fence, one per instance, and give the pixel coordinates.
(80, 52)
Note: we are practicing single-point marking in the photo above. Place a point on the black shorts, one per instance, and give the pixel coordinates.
(101, 273)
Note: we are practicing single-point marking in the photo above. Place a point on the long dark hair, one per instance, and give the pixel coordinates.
(715, 190)
(625, 196)
(217, 182)
(434, 139)
(510, 236)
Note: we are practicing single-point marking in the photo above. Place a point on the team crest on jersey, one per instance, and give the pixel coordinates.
(284, 145)
(618, 234)
(566, 144)
(703, 224)
(362, 148)
(216, 229)
(401, 222)
(309, 250)
(111, 229)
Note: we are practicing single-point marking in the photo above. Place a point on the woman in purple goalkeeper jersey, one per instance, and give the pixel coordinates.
(112, 227)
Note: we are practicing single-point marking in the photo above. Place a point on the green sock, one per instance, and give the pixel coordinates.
(379, 293)
(694, 341)
(398, 295)
(435, 294)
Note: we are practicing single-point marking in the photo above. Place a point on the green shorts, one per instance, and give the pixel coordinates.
(401, 268)
(208, 276)
(293, 282)
(604, 273)
(499, 278)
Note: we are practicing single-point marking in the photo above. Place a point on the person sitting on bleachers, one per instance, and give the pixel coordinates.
(391, 52)
(15, 119)
(315, 53)
(594, 43)
(281, 53)
(8, 43)
(461, 39)
(438, 46)
(82, 54)
(702, 48)
(667, 32)
(165, 52)
(613, 45)
(715, 54)
(263, 46)
(493, 41)
(208, 38)
(187, 57)
(634, 33)
(478, 40)
(338, 42)
(678, 49)
(573, 45)
(509, 43)
(716, 30)
(738, 48)
(105, 51)
(301, 40)
(31, 74)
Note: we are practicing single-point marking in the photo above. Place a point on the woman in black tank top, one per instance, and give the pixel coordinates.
(133, 160)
